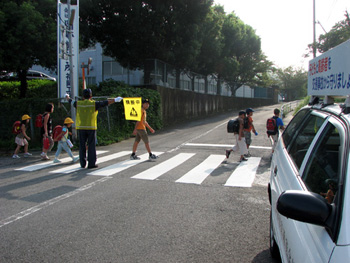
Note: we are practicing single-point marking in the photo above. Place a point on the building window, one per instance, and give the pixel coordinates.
(112, 68)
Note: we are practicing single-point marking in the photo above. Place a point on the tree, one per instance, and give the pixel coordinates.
(292, 82)
(339, 33)
(241, 61)
(28, 36)
(154, 29)
(190, 35)
(212, 41)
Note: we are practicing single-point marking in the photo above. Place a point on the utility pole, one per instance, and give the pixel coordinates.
(314, 26)
(71, 70)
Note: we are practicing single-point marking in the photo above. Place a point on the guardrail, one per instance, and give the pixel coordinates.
(288, 107)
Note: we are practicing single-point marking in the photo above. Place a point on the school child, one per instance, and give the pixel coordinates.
(63, 141)
(248, 127)
(141, 133)
(46, 131)
(22, 138)
(241, 145)
(278, 126)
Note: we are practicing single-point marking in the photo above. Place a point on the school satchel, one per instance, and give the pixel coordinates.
(271, 126)
(39, 121)
(16, 127)
(233, 126)
(57, 133)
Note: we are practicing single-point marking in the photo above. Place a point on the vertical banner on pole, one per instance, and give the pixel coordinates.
(63, 64)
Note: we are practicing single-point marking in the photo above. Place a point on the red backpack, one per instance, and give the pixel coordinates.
(16, 127)
(57, 133)
(271, 126)
(39, 121)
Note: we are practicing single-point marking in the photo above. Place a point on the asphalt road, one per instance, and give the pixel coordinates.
(138, 211)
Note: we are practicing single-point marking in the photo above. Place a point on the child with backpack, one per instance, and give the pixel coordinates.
(22, 138)
(241, 145)
(273, 125)
(61, 136)
(46, 131)
(248, 127)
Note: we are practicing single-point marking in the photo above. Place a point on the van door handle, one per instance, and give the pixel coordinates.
(275, 171)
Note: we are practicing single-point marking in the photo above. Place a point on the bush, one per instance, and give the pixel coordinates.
(36, 88)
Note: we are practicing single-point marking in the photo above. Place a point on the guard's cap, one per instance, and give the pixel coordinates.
(87, 93)
(145, 101)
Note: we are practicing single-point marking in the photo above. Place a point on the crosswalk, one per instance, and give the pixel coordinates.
(242, 176)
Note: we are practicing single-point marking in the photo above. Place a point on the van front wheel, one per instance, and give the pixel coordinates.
(274, 250)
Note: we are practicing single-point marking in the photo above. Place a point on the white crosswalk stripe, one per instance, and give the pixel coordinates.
(47, 164)
(76, 167)
(198, 174)
(160, 169)
(121, 166)
(244, 174)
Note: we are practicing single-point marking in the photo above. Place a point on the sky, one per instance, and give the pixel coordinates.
(286, 27)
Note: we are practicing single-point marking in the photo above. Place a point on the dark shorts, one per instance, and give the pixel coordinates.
(248, 137)
(142, 135)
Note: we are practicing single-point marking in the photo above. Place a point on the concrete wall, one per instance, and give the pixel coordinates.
(180, 105)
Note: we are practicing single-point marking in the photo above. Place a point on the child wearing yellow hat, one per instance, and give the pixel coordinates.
(22, 138)
(64, 142)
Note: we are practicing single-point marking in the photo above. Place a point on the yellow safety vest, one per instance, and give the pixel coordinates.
(86, 115)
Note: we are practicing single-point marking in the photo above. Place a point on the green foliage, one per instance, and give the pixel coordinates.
(292, 82)
(190, 35)
(135, 31)
(28, 33)
(301, 104)
(112, 126)
(36, 88)
(339, 33)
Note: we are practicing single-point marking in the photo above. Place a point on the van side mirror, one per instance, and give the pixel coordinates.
(305, 207)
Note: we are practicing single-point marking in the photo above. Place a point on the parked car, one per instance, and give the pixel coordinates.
(31, 74)
(309, 188)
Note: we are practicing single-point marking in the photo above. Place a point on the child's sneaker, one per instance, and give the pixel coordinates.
(44, 156)
(27, 154)
(153, 157)
(75, 159)
(15, 156)
(134, 157)
(56, 161)
(243, 159)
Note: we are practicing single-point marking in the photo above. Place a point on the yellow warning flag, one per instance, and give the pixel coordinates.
(132, 108)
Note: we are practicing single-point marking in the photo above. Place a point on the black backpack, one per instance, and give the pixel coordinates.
(245, 123)
(233, 126)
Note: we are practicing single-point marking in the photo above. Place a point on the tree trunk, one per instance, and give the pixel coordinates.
(22, 75)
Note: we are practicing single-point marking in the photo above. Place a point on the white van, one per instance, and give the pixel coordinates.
(309, 190)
